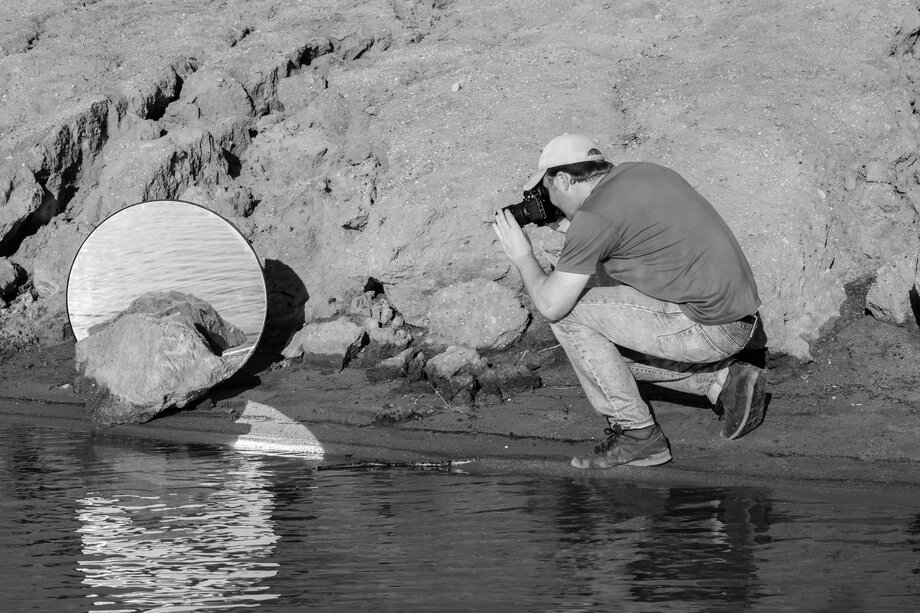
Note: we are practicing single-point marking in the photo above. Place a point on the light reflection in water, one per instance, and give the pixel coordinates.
(105, 524)
(151, 543)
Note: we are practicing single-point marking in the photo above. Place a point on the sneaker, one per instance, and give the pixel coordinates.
(741, 401)
(642, 447)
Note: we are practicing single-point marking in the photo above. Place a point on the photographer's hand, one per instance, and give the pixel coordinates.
(553, 294)
(513, 239)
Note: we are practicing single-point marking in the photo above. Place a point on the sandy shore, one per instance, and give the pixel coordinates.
(847, 420)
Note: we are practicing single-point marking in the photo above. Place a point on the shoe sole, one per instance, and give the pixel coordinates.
(657, 459)
(753, 413)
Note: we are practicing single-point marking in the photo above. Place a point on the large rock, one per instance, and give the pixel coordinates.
(330, 343)
(143, 363)
(219, 333)
(889, 297)
(479, 313)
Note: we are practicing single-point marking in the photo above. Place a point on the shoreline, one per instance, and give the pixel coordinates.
(824, 430)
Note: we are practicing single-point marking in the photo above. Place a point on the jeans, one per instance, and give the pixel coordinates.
(615, 336)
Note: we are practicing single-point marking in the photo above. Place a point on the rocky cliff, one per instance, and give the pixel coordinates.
(368, 143)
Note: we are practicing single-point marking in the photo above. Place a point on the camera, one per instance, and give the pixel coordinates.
(535, 208)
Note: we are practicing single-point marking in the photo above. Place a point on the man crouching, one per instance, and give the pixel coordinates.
(686, 303)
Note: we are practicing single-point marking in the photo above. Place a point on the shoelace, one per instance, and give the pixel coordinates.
(613, 434)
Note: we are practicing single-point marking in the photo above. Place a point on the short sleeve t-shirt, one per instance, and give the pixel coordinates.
(652, 231)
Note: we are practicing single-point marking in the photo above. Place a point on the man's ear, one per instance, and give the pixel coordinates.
(566, 180)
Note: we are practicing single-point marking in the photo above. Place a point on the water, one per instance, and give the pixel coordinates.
(98, 523)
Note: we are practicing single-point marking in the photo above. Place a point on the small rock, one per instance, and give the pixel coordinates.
(10, 275)
(382, 343)
(330, 343)
(455, 87)
(392, 415)
(390, 369)
(504, 381)
(453, 374)
(888, 299)
(451, 362)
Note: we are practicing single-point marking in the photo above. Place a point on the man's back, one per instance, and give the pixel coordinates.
(654, 232)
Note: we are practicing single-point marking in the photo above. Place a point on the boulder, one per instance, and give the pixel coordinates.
(889, 297)
(330, 343)
(220, 334)
(478, 313)
(143, 363)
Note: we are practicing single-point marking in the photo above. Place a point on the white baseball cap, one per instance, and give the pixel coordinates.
(562, 150)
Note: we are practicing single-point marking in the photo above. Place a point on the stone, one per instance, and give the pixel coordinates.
(10, 275)
(453, 374)
(220, 334)
(506, 380)
(143, 363)
(452, 361)
(49, 254)
(382, 343)
(20, 197)
(299, 90)
(889, 297)
(372, 305)
(412, 299)
(327, 344)
(480, 313)
(227, 201)
(211, 96)
(415, 368)
(392, 368)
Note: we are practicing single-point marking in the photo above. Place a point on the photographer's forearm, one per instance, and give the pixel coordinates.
(552, 294)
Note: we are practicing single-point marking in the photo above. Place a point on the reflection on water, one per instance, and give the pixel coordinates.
(103, 524)
(151, 540)
(160, 246)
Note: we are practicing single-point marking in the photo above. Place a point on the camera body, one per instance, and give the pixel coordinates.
(535, 208)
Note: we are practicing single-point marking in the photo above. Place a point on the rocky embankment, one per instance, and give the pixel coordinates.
(365, 145)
